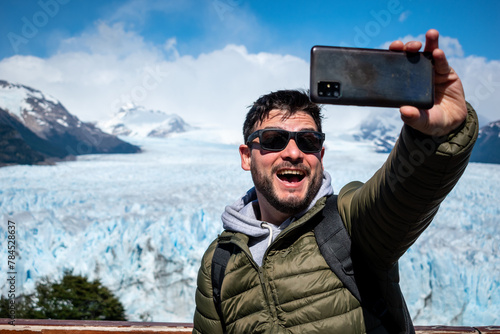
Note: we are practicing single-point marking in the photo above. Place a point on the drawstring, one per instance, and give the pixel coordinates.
(266, 225)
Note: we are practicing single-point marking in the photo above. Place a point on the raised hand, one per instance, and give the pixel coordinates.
(449, 109)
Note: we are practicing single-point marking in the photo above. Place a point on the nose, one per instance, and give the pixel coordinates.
(292, 151)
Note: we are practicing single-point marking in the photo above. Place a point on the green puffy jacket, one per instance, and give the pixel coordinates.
(294, 291)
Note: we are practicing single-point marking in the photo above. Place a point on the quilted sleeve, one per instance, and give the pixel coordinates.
(388, 213)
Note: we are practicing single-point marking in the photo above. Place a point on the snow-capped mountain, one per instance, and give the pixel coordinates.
(382, 128)
(44, 125)
(487, 147)
(133, 120)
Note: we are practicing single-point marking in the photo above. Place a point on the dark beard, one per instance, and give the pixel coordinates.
(290, 206)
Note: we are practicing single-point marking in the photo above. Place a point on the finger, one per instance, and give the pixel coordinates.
(409, 113)
(431, 40)
(441, 65)
(413, 46)
(396, 46)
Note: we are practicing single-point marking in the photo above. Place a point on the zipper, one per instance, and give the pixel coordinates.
(269, 302)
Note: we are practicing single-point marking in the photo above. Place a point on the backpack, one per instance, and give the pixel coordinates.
(382, 298)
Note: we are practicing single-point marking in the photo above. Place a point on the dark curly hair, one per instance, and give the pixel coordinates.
(290, 101)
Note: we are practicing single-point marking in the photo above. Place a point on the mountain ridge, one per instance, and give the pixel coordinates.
(487, 148)
(382, 129)
(137, 121)
(46, 127)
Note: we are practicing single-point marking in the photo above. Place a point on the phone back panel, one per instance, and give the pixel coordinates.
(371, 77)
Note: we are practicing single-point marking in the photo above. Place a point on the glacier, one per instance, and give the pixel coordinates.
(141, 222)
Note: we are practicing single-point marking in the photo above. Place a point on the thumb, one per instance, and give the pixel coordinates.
(414, 117)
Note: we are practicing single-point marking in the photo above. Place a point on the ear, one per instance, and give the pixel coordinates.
(246, 157)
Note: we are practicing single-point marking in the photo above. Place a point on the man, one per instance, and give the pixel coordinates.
(276, 279)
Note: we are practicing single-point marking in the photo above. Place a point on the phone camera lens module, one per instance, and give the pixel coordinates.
(329, 89)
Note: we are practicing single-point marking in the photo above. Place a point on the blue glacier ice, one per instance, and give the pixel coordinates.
(141, 222)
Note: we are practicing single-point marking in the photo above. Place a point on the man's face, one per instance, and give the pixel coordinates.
(287, 180)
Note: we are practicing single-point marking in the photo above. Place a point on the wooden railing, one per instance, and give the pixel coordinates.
(32, 326)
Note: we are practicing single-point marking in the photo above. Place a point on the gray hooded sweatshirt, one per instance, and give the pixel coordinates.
(240, 217)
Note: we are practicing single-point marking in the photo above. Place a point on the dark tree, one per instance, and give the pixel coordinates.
(73, 298)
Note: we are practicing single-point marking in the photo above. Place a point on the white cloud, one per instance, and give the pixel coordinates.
(481, 80)
(107, 39)
(404, 15)
(170, 48)
(451, 47)
(95, 73)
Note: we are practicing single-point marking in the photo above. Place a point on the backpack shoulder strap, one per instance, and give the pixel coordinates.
(335, 245)
(221, 256)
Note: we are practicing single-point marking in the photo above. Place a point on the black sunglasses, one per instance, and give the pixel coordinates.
(277, 139)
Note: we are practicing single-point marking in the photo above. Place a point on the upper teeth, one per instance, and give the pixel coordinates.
(292, 172)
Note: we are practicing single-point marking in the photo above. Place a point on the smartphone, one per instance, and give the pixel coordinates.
(371, 77)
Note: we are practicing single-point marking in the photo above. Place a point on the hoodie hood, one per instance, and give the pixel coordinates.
(241, 215)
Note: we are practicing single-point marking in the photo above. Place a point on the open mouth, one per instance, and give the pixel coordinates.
(291, 176)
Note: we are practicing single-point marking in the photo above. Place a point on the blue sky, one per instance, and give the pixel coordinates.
(271, 26)
(182, 56)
